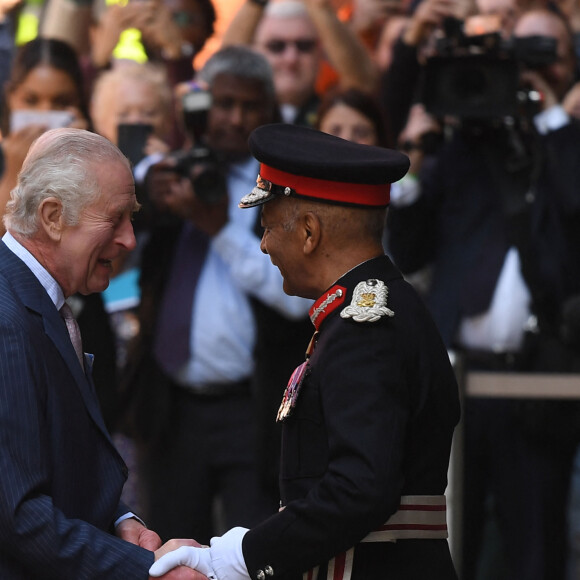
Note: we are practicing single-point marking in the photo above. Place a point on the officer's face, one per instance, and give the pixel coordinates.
(281, 241)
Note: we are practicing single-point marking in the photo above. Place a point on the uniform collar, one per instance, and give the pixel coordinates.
(326, 304)
(337, 294)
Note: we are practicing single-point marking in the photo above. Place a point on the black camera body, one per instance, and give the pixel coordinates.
(203, 168)
(477, 77)
(199, 164)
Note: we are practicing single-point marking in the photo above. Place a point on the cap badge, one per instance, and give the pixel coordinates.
(262, 191)
(369, 302)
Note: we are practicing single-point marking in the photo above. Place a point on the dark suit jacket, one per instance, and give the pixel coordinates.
(373, 421)
(61, 476)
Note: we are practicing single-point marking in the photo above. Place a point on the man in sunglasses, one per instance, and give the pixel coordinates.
(298, 38)
(287, 37)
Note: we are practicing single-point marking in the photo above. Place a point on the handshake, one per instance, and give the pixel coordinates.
(222, 560)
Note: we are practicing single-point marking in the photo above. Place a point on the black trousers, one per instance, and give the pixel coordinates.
(209, 453)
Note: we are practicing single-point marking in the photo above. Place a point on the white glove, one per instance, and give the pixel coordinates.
(227, 558)
(197, 558)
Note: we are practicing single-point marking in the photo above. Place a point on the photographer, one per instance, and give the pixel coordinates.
(197, 371)
(495, 216)
(417, 40)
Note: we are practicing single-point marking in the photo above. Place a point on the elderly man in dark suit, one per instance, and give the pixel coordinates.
(61, 517)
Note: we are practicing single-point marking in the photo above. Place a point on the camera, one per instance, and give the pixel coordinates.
(202, 167)
(200, 164)
(477, 77)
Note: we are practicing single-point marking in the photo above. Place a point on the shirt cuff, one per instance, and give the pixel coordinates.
(551, 119)
(127, 516)
(406, 191)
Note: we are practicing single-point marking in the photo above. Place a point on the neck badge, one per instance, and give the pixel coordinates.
(369, 302)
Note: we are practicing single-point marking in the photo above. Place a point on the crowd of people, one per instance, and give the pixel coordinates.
(197, 335)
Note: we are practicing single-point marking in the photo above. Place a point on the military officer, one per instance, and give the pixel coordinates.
(368, 418)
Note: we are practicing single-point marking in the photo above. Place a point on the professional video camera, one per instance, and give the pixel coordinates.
(199, 164)
(476, 77)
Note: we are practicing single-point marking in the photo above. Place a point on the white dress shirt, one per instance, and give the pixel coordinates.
(501, 328)
(223, 326)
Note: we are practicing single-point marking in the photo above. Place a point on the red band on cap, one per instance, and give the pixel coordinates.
(337, 191)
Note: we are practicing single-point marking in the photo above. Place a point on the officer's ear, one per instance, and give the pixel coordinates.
(312, 228)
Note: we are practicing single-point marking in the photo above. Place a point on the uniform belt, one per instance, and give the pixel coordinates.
(418, 517)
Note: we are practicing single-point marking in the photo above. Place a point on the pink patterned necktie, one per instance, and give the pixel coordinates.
(74, 332)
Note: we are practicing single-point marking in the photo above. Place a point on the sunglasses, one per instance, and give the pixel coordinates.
(304, 45)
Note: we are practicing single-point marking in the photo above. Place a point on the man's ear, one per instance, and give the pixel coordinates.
(312, 232)
(51, 218)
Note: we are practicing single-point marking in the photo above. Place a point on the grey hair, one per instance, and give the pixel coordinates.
(61, 163)
(242, 62)
(147, 73)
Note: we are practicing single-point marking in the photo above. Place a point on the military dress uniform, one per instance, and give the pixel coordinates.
(370, 429)
(368, 419)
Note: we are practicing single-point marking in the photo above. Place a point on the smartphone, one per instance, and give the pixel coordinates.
(196, 105)
(50, 119)
(131, 140)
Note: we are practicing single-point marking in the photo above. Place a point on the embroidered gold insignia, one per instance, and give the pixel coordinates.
(261, 191)
(369, 302)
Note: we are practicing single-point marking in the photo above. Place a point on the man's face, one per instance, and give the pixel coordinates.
(238, 107)
(284, 246)
(130, 101)
(87, 250)
(559, 75)
(292, 48)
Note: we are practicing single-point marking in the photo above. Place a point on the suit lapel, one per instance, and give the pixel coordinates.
(35, 298)
(55, 329)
